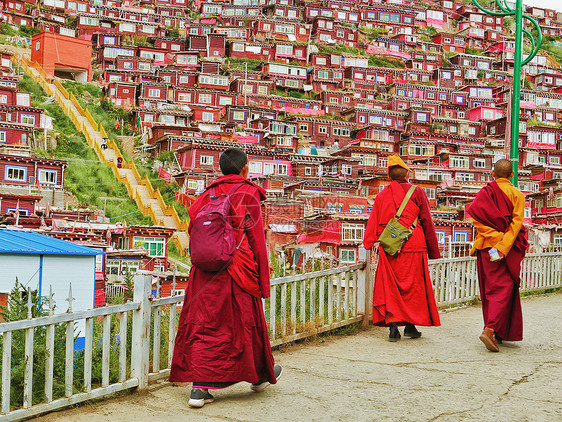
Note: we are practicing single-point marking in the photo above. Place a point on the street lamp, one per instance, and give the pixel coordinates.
(517, 64)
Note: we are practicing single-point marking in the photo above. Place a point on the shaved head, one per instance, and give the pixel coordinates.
(397, 172)
(503, 169)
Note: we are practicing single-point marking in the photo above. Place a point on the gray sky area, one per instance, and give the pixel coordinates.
(547, 4)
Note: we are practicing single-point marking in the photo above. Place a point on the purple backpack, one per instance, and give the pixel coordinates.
(212, 241)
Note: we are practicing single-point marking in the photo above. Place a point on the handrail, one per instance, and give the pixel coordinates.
(61, 94)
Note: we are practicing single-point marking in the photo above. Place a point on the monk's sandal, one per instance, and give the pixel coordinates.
(264, 383)
(200, 397)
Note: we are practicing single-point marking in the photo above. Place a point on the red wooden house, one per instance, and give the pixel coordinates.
(250, 50)
(216, 45)
(325, 79)
(122, 93)
(152, 93)
(133, 64)
(323, 132)
(250, 86)
(173, 45)
(15, 133)
(285, 75)
(24, 204)
(393, 18)
(451, 42)
(22, 175)
(177, 77)
(281, 29)
(217, 82)
(187, 59)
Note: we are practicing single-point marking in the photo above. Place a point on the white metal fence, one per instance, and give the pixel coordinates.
(132, 344)
(455, 280)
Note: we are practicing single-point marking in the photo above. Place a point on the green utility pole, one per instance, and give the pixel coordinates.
(517, 64)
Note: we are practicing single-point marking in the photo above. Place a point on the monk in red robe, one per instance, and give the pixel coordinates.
(222, 335)
(500, 245)
(403, 294)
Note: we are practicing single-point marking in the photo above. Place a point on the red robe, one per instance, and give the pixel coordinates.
(403, 291)
(222, 334)
(499, 280)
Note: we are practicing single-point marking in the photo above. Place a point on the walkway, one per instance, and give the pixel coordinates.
(447, 375)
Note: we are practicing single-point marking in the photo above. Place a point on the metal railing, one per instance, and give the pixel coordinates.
(455, 280)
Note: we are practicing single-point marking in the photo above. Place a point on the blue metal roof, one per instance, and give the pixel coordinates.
(27, 242)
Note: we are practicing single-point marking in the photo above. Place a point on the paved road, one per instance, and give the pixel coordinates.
(447, 375)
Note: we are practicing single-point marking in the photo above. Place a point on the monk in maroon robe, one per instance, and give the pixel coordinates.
(403, 293)
(497, 212)
(222, 335)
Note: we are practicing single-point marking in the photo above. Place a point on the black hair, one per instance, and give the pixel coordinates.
(232, 161)
(503, 168)
(397, 172)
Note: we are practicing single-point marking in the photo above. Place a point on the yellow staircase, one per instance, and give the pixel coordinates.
(140, 189)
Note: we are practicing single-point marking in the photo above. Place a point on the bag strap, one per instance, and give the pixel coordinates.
(404, 202)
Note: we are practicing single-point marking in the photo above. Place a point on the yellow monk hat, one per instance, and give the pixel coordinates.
(395, 160)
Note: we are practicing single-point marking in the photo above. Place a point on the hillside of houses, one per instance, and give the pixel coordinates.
(318, 93)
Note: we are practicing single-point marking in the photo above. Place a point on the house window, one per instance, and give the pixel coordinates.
(16, 174)
(268, 168)
(238, 115)
(460, 237)
(184, 97)
(303, 127)
(441, 236)
(308, 171)
(225, 100)
(28, 119)
(479, 163)
(289, 83)
(154, 245)
(205, 98)
(322, 129)
(207, 116)
(430, 193)
(421, 117)
(3, 136)
(48, 177)
(459, 162)
(347, 256)
(282, 169)
(206, 160)
(340, 131)
(353, 232)
(263, 90)
(346, 169)
(255, 167)
(154, 93)
(127, 65)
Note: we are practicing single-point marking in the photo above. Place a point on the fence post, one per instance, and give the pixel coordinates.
(141, 330)
(365, 291)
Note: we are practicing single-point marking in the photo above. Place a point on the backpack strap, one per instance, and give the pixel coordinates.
(213, 195)
(403, 205)
(235, 188)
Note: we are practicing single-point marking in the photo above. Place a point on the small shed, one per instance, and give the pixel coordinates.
(41, 262)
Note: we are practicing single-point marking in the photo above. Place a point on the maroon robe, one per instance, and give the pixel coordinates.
(403, 291)
(499, 280)
(222, 334)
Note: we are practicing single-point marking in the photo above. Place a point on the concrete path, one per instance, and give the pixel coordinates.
(447, 375)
